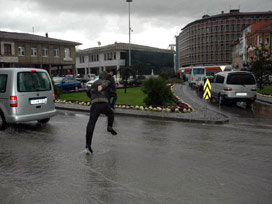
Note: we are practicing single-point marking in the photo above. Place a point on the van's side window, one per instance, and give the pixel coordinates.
(219, 79)
(3, 83)
(33, 81)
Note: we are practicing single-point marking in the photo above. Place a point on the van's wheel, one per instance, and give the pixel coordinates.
(44, 120)
(248, 104)
(3, 123)
(220, 100)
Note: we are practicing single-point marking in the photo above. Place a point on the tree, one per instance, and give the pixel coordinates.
(125, 73)
(158, 92)
(164, 75)
(260, 62)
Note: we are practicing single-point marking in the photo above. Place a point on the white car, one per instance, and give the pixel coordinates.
(90, 83)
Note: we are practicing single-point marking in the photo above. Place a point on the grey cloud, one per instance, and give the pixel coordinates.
(154, 8)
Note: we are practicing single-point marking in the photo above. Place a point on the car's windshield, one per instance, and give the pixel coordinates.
(241, 79)
(33, 81)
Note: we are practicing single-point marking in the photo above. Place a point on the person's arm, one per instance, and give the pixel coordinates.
(104, 84)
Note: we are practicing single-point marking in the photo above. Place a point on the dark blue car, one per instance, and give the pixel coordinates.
(67, 83)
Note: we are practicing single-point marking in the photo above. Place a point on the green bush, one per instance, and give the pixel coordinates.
(58, 91)
(175, 81)
(158, 92)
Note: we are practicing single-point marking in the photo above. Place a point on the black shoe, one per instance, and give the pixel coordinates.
(88, 149)
(112, 131)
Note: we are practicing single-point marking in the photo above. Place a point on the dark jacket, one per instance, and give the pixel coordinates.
(102, 96)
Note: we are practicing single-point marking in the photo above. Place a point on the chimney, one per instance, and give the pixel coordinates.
(222, 12)
(46, 35)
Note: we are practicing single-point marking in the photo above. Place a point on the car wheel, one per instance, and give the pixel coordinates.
(3, 123)
(44, 120)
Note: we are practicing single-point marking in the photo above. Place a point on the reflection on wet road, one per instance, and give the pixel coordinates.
(149, 161)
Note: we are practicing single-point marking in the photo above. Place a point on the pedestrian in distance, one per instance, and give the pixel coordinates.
(99, 93)
(112, 95)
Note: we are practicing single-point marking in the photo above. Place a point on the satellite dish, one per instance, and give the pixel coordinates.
(99, 43)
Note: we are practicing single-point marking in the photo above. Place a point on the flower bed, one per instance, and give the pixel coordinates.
(264, 94)
(181, 106)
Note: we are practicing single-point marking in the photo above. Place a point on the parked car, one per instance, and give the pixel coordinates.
(25, 95)
(201, 81)
(235, 86)
(67, 83)
(90, 83)
(136, 81)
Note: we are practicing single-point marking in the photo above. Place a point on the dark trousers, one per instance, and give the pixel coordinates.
(96, 110)
(112, 100)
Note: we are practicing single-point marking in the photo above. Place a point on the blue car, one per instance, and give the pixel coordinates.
(67, 83)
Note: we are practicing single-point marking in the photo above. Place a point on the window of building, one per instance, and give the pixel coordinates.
(227, 27)
(259, 39)
(67, 54)
(222, 28)
(56, 52)
(81, 59)
(21, 51)
(266, 40)
(45, 52)
(122, 55)
(7, 49)
(238, 27)
(33, 51)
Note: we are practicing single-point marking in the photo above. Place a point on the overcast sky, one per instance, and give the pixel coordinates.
(154, 22)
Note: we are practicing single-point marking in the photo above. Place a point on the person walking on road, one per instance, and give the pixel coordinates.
(99, 93)
(112, 94)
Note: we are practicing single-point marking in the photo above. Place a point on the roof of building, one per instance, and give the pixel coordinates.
(124, 47)
(33, 38)
(232, 13)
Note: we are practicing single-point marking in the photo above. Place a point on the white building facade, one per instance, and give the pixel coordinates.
(98, 59)
(113, 57)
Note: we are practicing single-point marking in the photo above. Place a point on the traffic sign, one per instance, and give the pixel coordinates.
(207, 89)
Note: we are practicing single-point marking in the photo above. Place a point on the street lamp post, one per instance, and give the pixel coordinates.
(129, 31)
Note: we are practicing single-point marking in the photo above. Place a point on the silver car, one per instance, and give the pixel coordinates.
(234, 86)
(25, 95)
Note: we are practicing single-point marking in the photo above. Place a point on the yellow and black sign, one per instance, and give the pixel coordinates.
(207, 89)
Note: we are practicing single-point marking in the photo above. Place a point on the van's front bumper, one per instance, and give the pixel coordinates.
(30, 117)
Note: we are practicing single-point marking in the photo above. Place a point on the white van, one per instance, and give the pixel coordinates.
(195, 73)
(234, 86)
(25, 95)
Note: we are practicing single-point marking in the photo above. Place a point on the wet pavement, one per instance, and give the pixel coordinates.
(149, 161)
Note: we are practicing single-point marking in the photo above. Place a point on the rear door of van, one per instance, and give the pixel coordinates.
(242, 84)
(35, 92)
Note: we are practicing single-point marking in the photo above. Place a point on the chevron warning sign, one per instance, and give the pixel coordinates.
(207, 89)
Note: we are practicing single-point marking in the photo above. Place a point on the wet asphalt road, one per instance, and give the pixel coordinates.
(149, 161)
